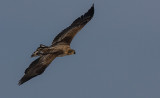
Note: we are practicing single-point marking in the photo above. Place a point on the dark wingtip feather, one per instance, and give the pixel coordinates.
(84, 19)
(20, 82)
(24, 79)
(91, 10)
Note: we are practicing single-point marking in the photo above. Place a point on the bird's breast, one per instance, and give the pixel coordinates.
(63, 48)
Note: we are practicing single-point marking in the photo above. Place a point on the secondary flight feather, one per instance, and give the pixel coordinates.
(60, 47)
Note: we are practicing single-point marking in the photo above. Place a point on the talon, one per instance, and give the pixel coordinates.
(34, 54)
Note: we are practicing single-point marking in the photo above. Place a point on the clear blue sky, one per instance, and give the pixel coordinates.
(117, 52)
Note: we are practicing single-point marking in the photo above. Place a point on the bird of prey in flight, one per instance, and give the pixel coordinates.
(60, 47)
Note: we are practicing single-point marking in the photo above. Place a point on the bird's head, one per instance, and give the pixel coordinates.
(71, 51)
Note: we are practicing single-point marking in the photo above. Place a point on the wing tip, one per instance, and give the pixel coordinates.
(90, 11)
(92, 5)
(24, 79)
(20, 82)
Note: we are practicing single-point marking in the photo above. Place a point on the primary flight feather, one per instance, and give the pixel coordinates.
(60, 47)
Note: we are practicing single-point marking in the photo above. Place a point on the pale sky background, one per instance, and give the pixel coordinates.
(117, 52)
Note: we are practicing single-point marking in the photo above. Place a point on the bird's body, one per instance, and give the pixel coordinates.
(60, 47)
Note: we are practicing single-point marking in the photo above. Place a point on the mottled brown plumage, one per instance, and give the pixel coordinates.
(60, 47)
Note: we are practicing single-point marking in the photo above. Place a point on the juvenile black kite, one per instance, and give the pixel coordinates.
(60, 47)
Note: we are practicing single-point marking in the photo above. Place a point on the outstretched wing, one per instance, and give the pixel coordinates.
(67, 34)
(37, 67)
